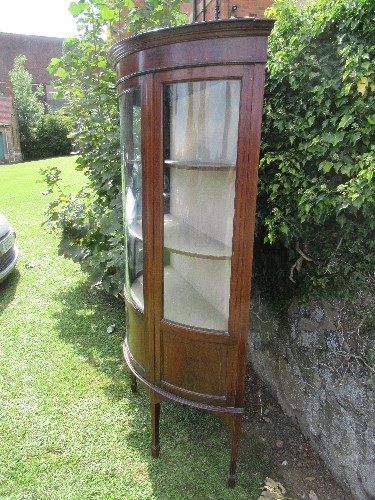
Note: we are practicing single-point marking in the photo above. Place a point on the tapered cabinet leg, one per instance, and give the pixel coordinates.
(133, 383)
(155, 418)
(236, 433)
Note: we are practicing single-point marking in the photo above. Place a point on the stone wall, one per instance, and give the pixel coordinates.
(311, 362)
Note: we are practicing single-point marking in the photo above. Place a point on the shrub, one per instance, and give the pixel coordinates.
(92, 220)
(28, 107)
(51, 136)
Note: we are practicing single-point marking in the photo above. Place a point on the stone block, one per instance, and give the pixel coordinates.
(311, 339)
(367, 477)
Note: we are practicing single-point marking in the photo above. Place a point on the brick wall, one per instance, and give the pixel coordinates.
(39, 50)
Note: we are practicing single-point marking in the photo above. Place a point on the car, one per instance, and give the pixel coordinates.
(8, 248)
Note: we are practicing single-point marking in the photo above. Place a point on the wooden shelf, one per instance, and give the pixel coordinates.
(180, 299)
(196, 165)
(186, 240)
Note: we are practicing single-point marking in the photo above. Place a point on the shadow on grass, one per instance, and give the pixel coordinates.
(195, 446)
(84, 320)
(8, 289)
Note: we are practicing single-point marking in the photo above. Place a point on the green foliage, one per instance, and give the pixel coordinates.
(51, 136)
(316, 205)
(27, 105)
(92, 220)
(155, 14)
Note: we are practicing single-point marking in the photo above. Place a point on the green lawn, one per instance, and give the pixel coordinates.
(70, 428)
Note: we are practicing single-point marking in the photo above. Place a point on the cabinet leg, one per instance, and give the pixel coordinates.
(236, 432)
(133, 385)
(155, 418)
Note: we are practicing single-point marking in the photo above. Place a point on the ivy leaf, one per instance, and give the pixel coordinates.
(346, 169)
(341, 219)
(345, 121)
(362, 85)
(325, 166)
(333, 139)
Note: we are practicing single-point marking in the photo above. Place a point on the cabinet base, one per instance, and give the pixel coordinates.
(231, 482)
(233, 416)
(155, 451)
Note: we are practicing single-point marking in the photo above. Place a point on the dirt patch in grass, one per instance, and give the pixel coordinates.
(290, 459)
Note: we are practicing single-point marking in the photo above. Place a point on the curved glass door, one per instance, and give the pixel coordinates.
(130, 117)
(200, 151)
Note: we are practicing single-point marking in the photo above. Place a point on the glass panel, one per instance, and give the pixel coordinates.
(130, 117)
(200, 150)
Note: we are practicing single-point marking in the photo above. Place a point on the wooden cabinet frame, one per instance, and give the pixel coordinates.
(203, 367)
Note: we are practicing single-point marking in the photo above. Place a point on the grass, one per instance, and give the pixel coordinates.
(70, 427)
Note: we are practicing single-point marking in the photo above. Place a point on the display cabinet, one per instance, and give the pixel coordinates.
(191, 108)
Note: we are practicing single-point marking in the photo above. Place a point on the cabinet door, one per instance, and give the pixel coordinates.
(132, 188)
(130, 116)
(200, 151)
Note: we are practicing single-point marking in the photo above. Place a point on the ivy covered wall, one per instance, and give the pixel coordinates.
(316, 204)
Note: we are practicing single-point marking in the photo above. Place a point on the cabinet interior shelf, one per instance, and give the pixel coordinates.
(192, 164)
(184, 239)
(199, 165)
(180, 299)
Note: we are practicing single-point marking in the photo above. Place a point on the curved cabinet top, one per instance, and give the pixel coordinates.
(198, 44)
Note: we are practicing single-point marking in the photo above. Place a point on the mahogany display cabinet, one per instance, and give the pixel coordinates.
(191, 108)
